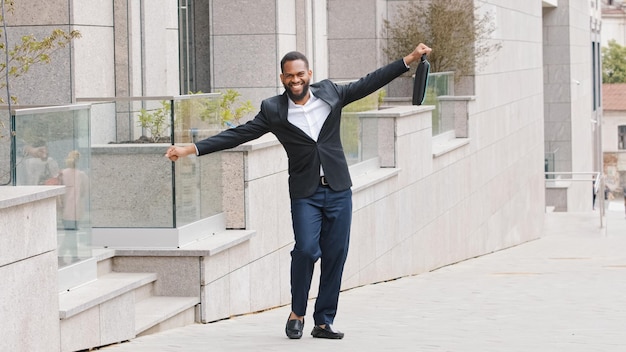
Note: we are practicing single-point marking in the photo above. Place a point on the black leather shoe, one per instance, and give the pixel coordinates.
(327, 332)
(294, 328)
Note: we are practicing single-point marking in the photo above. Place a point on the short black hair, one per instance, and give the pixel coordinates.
(292, 56)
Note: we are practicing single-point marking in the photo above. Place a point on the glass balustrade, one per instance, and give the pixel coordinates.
(52, 147)
(439, 84)
(109, 153)
(138, 187)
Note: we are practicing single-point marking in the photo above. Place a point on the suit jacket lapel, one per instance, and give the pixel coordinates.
(283, 107)
(324, 95)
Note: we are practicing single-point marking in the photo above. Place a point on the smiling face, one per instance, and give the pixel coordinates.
(296, 77)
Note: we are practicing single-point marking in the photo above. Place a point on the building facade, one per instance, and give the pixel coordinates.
(614, 95)
(614, 136)
(429, 201)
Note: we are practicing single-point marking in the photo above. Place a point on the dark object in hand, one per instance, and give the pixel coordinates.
(421, 81)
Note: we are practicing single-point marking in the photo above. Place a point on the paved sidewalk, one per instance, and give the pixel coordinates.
(563, 292)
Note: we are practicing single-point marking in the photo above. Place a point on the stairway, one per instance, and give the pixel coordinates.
(118, 307)
(137, 291)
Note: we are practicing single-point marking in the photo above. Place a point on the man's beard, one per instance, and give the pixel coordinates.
(305, 90)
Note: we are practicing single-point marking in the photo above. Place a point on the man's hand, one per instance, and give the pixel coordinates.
(420, 50)
(175, 152)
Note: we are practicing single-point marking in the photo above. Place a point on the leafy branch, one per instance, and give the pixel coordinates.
(28, 52)
(156, 121)
(456, 30)
(614, 63)
(229, 112)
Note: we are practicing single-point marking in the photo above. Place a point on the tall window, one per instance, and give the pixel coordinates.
(621, 137)
(596, 72)
(185, 39)
(593, 73)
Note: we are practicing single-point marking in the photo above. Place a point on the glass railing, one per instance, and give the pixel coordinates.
(352, 127)
(138, 187)
(112, 152)
(5, 148)
(439, 84)
(52, 147)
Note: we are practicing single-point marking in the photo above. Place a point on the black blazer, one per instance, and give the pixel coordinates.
(305, 155)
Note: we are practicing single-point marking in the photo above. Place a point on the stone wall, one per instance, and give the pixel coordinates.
(29, 269)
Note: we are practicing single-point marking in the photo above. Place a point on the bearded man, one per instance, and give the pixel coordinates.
(306, 120)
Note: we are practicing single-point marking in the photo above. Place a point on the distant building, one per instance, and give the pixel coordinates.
(614, 134)
(614, 100)
(613, 21)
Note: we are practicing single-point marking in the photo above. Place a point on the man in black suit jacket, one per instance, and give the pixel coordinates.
(306, 120)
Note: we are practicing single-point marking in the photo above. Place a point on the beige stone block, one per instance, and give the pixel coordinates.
(362, 234)
(177, 276)
(28, 230)
(240, 291)
(352, 19)
(265, 282)
(403, 256)
(264, 162)
(239, 256)
(39, 13)
(94, 13)
(358, 65)
(215, 267)
(233, 196)
(55, 85)
(216, 300)
(385, 226)
(368, 274)
(81, 331)
(270, 216)
(285, 226)
(117, 319)
(228, 63)
(224, 23)
(94, 76)
(287, 17)
(30, 306)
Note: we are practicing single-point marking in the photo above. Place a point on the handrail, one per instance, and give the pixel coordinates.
(49, 109)
(598, 184)
(144, 98)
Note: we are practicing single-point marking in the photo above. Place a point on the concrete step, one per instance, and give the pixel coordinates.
(158, 313)
(205, 247)
(103, 289)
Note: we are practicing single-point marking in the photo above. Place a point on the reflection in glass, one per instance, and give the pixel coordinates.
(53, 148)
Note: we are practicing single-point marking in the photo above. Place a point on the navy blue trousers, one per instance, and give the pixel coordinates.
(321, 225)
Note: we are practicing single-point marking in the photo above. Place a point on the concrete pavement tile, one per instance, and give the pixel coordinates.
(563, 292)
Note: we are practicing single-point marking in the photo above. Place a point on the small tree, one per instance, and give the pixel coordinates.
(29, 51)
(227, 108)
(230, 113)
(614, 63)
(455, 29)
(156, 121)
